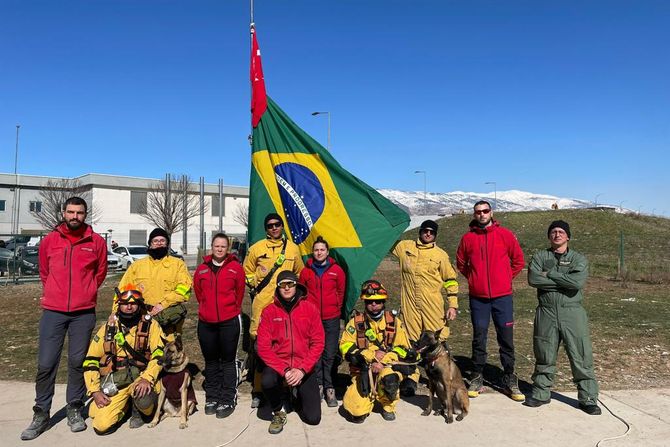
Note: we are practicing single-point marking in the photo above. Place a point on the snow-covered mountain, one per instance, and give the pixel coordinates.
(454, 202)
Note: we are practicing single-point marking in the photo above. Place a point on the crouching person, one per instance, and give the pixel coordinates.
(121, 367)
(373, 342)
(290, 342)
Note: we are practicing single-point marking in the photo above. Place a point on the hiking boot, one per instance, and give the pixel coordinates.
(331, 400)
(592, 409)
(210, 407)
(510, 385)
(358, 419)
(278, 422)
(407, 388)
(74, 417)
(224, 410)
(476, 385)
(39, 424)
(255, 400)
(388, 415)
(534, 403)
(136, 420)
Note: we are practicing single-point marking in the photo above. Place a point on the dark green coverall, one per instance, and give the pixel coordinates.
(560, 317)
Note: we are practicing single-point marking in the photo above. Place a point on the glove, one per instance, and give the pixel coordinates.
(356, 359)
(364, 383)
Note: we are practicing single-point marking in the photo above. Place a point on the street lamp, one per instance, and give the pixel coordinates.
(425, 203)
(596, 201)
(16, 205)
(621, 206)
(325, 113)
(495, 194)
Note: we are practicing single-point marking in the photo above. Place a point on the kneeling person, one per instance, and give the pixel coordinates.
(372, 342)
(290, 342)
(121, 367)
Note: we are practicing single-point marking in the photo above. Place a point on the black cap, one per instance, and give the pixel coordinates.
(431, 224)
(559, 224)
(285, 275)
(158, 232)
(272, 216)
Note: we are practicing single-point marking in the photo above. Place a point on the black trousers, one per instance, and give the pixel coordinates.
(218, 342)
(323, 370)
(501, 310)
(307, 393)
(53, 327)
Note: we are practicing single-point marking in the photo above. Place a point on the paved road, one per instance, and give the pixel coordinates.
(494, 420)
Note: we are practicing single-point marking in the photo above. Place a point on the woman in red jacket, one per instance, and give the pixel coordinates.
(325, 282)
(219, 287)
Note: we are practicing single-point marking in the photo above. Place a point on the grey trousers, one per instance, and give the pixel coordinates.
(53, 327)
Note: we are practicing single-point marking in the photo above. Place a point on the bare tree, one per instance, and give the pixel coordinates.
(170, 206)
(241, 214)
(54, 194)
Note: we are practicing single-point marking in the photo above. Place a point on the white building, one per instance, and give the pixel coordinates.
(116, 200)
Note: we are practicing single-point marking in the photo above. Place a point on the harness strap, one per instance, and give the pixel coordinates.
(266, 280)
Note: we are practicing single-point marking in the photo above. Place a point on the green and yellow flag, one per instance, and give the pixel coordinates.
(297, 178)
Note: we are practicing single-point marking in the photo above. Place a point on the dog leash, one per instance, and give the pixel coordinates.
(619, 418)
(241, 431)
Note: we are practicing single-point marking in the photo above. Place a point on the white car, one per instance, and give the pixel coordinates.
(114, 261)
(130, 254)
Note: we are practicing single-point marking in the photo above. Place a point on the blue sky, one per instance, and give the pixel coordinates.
(557, 97)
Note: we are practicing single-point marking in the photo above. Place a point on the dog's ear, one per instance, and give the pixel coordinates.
(178, 342)
(164, 340)
(437, 333)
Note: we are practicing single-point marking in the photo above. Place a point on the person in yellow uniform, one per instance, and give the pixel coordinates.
(425, 271)
(265, 260)
(121, 366)
(372, 342)
(164, 282)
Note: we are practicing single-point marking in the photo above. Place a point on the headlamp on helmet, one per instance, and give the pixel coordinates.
(372, 290)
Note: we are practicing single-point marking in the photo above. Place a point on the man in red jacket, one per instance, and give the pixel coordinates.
(489, 256)
(290, 342)
(73, 265)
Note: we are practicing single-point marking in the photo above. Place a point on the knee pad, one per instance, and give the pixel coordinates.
(145, 402)
(390, 384)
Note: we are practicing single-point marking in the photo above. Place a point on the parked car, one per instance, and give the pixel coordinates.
(130, 254)
(17, 242)
(8, 261)
(29, 260)
(114, 261)
(175, 254)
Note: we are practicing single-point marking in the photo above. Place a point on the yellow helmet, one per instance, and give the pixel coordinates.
(373, 290)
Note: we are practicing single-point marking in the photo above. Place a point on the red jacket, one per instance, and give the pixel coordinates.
(219, 294)
(291, 340)
(490, 258)
(327, 291)
(71, 273)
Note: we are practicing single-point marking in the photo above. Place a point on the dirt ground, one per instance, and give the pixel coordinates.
(630, 330)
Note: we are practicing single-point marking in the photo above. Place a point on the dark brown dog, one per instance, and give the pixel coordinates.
(444, 377)
(177, 397)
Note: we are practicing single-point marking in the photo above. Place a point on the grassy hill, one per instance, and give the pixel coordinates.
(595, 233)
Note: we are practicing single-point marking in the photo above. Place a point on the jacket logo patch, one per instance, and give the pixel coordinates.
(351, 329)
(332, 274)
(278, 319)
(562, 262)
(232, 270)
(203, 271)
(86, 249)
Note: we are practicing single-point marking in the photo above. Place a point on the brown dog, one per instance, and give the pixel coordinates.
(177, 397)
(444, 377)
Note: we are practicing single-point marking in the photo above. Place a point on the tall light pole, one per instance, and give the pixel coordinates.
(425, 202)
(15, 205)
(325, 113)
(596, 201)
(621, 206)
(495, 194)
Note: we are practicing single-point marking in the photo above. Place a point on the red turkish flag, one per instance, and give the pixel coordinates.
(259, 101)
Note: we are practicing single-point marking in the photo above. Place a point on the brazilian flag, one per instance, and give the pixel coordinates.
(294, 176)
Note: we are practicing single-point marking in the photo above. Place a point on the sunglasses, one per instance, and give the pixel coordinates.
(287, 285)
(428, 231)
(272, 225)
(480, 212)
(374, 301)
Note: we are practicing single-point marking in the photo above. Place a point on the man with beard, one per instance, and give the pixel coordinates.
(164, 282)
(73, 265)
(121, 367)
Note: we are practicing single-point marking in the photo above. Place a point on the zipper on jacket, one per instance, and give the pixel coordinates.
(290, 322)
(69, 288)
(216, 294)
(488, 269)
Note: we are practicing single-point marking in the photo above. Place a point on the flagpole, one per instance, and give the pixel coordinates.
(251, 44)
